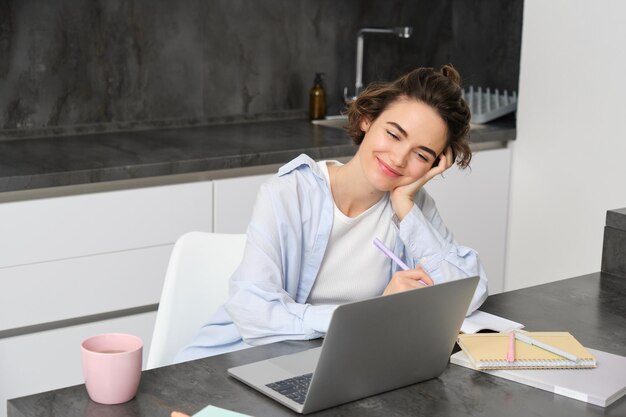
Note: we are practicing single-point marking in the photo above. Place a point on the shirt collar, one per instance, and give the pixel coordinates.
(301, 160)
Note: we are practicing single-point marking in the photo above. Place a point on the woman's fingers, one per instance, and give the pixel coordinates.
(445, 162)
(416, 274)
(408, 280)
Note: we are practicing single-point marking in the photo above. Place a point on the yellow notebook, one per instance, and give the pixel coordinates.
(489, 351)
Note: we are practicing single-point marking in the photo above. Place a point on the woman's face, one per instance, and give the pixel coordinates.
(402, 144)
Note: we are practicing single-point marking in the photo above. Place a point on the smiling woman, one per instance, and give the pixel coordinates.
(313, 216)
(439, 90)
(412, 129)
(400, 147)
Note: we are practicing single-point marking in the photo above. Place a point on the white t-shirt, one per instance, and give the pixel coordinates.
(353, 268)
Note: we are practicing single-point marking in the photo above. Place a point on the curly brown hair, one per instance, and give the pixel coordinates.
(440, 89)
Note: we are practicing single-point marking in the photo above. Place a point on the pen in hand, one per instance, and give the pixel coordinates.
(380, 245)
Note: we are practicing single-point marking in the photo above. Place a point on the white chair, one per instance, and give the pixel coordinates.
(196, 284)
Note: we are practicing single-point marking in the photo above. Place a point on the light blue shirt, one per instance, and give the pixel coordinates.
(286, 240)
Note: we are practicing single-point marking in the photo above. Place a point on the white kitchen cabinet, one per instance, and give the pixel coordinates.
(474, 205)
(233, 202)
(72, 256)
(64, 227)
(76, 287)
(83, 258)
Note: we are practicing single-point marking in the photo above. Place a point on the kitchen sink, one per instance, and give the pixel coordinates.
(337, 121)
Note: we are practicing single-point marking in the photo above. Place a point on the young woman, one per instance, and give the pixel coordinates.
(309, 243)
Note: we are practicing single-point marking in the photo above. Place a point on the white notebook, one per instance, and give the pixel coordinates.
(479, 320)
(600, 386)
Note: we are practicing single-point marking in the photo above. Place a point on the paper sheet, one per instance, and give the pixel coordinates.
(479, 320)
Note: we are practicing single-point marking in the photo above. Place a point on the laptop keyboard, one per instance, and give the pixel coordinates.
(294, 388)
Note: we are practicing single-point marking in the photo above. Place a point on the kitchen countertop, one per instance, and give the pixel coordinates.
(44, 162)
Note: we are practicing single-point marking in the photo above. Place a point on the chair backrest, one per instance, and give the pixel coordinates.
(196, 284)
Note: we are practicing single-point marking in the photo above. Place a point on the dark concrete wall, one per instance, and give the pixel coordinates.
(82, 62)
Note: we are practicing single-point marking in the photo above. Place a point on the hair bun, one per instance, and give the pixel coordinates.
(450, 73)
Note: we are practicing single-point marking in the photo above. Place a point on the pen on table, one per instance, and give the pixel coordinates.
(380, 245)
(529, 340)
(510, 355)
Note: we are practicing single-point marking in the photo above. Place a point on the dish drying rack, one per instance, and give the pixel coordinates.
(486, 105)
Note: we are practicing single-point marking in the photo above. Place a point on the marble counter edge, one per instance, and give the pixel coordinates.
(482, 138)
(166, 169)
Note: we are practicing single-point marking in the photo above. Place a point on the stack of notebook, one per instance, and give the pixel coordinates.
(489, 351)
(596, 377)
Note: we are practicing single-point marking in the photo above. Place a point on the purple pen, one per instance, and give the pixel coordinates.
(380, 245)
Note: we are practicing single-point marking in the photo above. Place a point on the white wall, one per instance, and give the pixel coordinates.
(569, 159)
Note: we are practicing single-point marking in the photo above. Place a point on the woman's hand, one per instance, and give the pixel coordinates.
(178, 414)
(402, 197)
(408, 280)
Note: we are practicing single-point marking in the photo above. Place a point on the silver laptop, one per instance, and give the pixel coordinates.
(371, 346)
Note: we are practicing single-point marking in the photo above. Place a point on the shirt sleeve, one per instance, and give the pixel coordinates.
(264, 287)
(429, 243)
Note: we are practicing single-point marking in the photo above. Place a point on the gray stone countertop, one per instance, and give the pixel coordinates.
(44, 162)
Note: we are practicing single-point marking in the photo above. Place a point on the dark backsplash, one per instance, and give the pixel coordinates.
(79, 62)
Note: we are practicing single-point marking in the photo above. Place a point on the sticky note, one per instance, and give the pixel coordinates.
(212, 411)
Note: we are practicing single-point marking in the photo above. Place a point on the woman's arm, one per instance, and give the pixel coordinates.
(264, 288)
(430, 244)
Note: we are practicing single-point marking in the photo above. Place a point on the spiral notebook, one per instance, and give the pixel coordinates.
(600, 386)
(489, 351)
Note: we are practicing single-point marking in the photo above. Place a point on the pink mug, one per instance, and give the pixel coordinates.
(112, 367)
